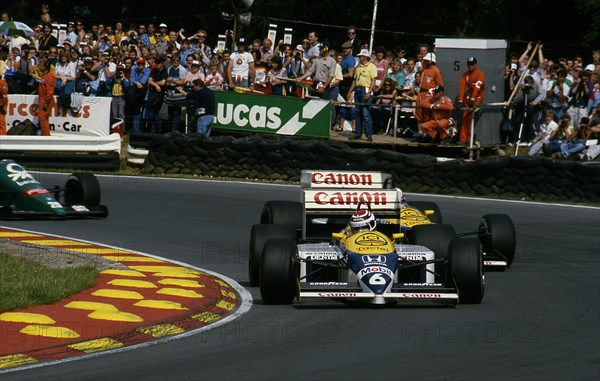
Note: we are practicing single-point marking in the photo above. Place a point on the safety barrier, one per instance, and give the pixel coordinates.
(282, 159)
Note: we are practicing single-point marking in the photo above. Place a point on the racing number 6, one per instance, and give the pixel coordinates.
(377, 279)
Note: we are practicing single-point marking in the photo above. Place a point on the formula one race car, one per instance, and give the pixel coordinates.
(305, 249)
(22, 196)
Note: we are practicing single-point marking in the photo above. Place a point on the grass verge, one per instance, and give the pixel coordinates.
(24, 283)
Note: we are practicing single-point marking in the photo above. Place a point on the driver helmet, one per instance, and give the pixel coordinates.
(362, 220)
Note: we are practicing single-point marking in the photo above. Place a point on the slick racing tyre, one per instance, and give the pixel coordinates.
(466, 267)
(278, 271)
(497, 235)
(436, 217)
(282, 213)
(82, 189)
(437, 238)
(259, 234)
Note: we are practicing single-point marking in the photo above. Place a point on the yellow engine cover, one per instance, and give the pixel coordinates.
(410, 217)
(369, 243)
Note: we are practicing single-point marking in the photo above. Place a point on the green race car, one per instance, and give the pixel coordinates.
(22, 196)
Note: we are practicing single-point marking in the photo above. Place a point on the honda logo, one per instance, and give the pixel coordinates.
(371, 259)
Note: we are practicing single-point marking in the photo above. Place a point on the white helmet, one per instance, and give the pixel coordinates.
(429, 57)
(362, 220)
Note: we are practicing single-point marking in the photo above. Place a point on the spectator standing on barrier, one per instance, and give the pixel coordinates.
(322, 73)
(118, 84)
(277, 71)
(436, 111)
(203, 106)
(175, 77)
(241, 70)
(382, 67)
(3, 104)
(156, 87)
(46, 102)
(430, 78)
(470, 95)
(397, 75)
(527, 107)
(213, 77)
(348, 63)
(365, 75)
(543, 136)
(579, 94)
(385, 101)
(557, 94)
(137, 92)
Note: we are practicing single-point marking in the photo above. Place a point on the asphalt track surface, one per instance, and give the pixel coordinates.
(538, 320)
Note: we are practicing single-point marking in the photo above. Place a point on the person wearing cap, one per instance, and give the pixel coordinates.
(430, 78)
(365, 75)
(437, 109)
(136, 92)
(298, 64)
(348, 63)
(470, 95)
(164, 30)
(241, 71)
(71, 35)
(322, 72)
(156, 88)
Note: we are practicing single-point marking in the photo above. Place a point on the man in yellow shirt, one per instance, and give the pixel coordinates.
(365, 75)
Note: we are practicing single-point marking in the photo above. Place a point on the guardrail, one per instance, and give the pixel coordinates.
(27, 143)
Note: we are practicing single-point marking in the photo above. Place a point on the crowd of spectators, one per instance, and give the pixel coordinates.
(143, 65)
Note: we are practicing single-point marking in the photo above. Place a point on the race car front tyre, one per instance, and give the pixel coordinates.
(497, 236)
(466, 267)
(278, 271)
(436, 217)
(82, 189)
(437, 238)
(282, 213)
(259, 234)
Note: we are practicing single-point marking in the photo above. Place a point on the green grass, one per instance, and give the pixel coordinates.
(24, 283)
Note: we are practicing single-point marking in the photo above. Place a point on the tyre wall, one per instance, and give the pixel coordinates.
(281, 159)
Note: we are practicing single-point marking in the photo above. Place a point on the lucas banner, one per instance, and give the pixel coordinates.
(272, 114)
(93, 119)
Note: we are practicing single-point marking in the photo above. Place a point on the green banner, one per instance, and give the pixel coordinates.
(272, 114)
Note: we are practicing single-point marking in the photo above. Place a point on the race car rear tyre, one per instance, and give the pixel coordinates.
(497, 235)
(258, 236)
(282, 213)
(436, 217)
(466, 267)
(82, 189)
(278, 271)
(436, 237)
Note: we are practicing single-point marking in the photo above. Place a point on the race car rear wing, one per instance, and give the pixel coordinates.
(312, 179)
(328, 210)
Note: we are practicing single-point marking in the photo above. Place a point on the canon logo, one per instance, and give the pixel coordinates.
(337, 294)
(422, 296)
(342, 178)
(32, 192)
(350, 198)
